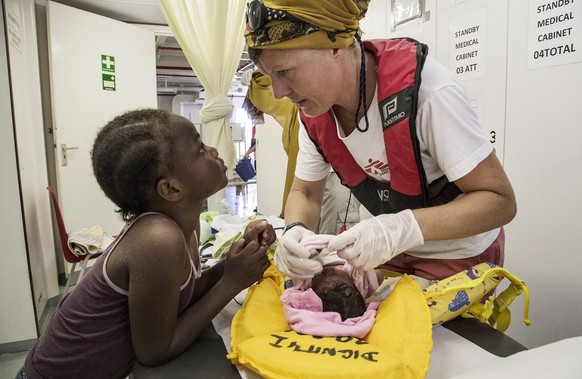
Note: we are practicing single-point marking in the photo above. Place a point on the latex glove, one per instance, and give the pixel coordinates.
(292, 258)
(378, 239)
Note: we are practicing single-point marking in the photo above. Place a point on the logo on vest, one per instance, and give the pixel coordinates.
(395, 108)
(377, 167)
(383, 194)
(391, 106)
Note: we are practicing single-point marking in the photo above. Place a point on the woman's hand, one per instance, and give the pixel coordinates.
(376, 240)
(292, 258)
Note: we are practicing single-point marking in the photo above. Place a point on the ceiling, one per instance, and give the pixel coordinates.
(174, 74)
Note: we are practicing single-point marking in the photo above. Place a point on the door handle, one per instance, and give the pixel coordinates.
(64, 149)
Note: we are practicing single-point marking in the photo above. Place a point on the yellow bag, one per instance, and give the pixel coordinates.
(398, 346)
(462, 293)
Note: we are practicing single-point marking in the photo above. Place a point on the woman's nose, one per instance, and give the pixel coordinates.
(213, 152)
(279, 89)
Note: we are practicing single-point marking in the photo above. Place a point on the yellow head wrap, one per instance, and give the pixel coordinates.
(318, 24)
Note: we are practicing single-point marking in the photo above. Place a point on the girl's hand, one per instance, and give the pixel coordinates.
(260, 231)
(245, 264)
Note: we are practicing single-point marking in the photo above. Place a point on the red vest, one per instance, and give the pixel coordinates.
(399, 63)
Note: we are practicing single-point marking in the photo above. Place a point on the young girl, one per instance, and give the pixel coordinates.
(146, 297)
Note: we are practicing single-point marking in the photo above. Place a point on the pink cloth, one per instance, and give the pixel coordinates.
(316, 241)
(303, 309)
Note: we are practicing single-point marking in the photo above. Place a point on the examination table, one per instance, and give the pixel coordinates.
(460, 345)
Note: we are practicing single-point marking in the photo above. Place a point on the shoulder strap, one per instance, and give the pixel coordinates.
(495, 311)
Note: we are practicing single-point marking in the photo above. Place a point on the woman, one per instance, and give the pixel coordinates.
(399, 131)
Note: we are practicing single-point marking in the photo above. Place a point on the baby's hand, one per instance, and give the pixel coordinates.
(260, 231)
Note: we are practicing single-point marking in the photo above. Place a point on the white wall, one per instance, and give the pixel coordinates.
(422, 29)
(165, 102)
(543, 158)
(374, 25)
(486, 82)
(177, 104)
(271, 167)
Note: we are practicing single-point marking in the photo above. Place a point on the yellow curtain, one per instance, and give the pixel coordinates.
(210, 32)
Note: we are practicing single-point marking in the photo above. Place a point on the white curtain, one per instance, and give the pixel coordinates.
(211, 34)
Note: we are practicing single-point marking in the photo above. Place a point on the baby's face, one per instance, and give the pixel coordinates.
(330, 277)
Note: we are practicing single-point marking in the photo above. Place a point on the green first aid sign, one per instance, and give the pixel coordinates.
(108, 82)
(108, 72)
(107, 63)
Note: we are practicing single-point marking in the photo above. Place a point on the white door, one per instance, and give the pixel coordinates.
(99, 68)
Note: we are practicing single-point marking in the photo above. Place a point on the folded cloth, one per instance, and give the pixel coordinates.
(206, 234)
(224, 241)
(229, 229)
(88, 241)
(316, 241)
(208, 216)
(228, 223)
(319, 243)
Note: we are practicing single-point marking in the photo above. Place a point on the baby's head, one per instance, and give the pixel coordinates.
(338, 292)
(129, 156)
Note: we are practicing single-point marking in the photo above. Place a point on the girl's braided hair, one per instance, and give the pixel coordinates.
(130, 155)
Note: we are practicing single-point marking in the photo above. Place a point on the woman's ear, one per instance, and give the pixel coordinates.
(169, 189)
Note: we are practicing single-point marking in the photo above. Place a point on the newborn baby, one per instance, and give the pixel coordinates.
(332, 303)
(337, 289)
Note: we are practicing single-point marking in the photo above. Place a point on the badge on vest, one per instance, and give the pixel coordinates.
(396, 108)
(384, 195)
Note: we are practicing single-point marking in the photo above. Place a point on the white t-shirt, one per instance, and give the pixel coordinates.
(452, 143)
